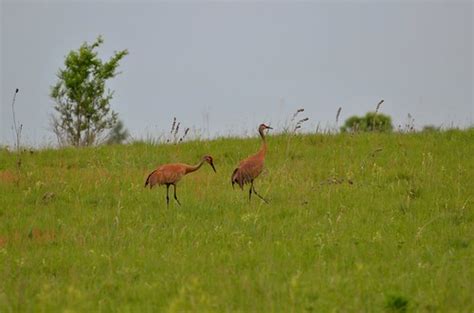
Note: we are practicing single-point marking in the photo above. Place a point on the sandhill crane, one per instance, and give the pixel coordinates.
(171, 174)
(251, 167)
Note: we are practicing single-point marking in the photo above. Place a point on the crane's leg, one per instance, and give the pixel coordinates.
(250, 190)
(255, 192)
(176, 198)
(167, 196)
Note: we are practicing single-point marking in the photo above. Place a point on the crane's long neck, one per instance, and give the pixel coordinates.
(193, 168)
(263, 148)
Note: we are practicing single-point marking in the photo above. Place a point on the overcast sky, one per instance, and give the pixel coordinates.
(229, 66)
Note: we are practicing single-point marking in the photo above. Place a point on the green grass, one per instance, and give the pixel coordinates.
(362, 223)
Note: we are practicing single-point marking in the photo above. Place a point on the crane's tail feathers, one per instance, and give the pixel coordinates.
(233, 178)
(237, 178)
(147, 182)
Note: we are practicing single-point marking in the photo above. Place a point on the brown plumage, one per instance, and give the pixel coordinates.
(171, 174)
(250, 168)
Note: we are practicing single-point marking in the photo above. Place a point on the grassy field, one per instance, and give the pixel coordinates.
(356, 223)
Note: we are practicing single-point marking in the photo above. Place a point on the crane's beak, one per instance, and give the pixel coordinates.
(212, 165)
(268, 127)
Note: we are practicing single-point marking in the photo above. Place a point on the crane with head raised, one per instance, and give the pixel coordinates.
(171, 174)
(250, 168)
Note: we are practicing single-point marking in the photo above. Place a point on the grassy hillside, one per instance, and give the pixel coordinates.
(361, 223)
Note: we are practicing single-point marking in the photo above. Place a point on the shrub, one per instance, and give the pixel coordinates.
(370, 122)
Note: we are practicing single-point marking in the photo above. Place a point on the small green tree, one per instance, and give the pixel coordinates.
(82, 101)
(370, 122)
(118, 134)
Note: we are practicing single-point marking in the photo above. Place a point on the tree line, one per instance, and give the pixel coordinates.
(83, 115)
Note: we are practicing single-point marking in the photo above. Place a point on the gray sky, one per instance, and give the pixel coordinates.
(237, 64)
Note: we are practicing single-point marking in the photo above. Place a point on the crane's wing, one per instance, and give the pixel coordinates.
(165, 174)
(248, 170)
